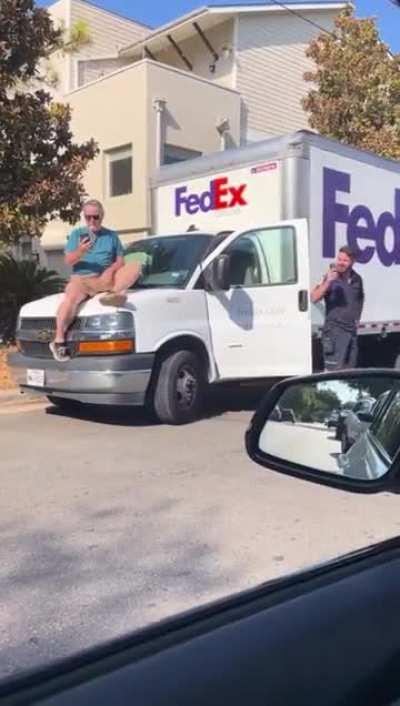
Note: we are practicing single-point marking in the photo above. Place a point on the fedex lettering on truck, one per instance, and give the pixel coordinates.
(220, 194)
(365, 234)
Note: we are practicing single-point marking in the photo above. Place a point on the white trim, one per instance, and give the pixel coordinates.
(231, 10)
(235, 63)
(189, 17)
(159, 65)
(297, 7)
(100, 57)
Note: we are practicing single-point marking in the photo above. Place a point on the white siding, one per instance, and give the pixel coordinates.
(92, 69)
(200, 57)
(108, 33)
(271, 63)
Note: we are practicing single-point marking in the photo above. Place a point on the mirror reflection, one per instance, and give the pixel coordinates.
(346, 426)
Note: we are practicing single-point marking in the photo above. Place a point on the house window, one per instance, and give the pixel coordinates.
(173, 154)
(120, 167)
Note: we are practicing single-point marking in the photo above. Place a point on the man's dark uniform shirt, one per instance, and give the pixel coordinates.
(344, 301)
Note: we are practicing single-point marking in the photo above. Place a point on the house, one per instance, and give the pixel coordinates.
(219, 77)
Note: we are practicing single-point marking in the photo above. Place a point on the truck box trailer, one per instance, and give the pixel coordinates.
(241, 238)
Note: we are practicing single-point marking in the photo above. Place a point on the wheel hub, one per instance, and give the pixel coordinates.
(186, 387)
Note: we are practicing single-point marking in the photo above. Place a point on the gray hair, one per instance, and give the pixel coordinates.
(96, 203)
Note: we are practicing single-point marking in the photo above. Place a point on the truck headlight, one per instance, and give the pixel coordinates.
(118, 327)
(108, 323)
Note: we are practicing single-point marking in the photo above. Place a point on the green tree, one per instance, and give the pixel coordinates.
(309, 403)
(356, 94)
(22, 282)
(41, 167)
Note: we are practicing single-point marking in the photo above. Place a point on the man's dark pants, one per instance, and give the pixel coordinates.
(340, 347)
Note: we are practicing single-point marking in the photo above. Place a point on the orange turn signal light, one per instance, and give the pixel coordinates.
(105, 347)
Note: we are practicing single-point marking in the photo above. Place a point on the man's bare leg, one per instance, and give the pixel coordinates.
(66, 313)
(124, 278)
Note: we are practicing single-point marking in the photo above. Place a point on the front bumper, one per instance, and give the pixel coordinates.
(118, 380)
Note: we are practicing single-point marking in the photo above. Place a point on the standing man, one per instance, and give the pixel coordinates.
(343, 292)
(96, 256)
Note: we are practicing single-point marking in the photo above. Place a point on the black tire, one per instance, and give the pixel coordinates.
(179, 389)
(344, 442)
(63, 404)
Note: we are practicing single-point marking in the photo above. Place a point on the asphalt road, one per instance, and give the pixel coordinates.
(311, 445)
(109, 523)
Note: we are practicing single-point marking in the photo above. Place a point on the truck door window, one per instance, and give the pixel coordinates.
(244, 264)
(263, 257)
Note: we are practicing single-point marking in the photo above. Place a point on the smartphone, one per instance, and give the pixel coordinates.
(85, 237)
(332, 266)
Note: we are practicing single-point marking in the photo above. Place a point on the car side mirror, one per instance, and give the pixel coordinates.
(216, 275)
(301, 444)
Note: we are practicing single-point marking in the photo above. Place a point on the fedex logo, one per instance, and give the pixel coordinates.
(219, 195)
(365, 235)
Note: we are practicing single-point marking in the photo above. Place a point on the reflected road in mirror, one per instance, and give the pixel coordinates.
(347, 427)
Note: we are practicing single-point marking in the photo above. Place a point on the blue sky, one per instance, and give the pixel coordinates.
(156, 12)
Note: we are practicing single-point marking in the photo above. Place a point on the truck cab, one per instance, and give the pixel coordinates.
(207, 309)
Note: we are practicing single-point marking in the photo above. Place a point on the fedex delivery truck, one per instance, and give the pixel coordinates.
(241, 238)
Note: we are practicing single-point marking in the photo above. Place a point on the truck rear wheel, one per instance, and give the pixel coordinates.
(179, 389)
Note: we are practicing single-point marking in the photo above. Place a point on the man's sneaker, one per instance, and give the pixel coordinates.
(59, 351)
(113, 299)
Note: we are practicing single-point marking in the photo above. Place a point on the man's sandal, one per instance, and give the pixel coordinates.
(59, 351)
(113, 299)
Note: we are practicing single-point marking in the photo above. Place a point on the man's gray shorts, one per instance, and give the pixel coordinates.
(339, 347)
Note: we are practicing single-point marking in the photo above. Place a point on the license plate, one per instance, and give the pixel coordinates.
(35, 377)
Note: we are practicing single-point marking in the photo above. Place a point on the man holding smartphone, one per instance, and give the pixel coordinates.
(343, 292)
(96, 256)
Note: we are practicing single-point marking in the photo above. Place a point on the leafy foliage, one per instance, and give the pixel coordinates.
(40, 165)
(356, 98)
(22, 282)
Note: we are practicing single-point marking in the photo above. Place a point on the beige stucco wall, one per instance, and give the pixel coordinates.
(271, 62)
(193, 107)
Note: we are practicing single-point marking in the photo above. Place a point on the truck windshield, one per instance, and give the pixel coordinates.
(168, 261)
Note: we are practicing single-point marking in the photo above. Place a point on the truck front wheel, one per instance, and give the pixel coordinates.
(179, 389)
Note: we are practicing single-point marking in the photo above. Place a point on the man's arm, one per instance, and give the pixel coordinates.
(361, 299)
(321, 289)
(75, 255)
(76, 249)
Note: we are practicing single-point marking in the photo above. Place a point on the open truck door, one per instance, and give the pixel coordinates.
(258, 302)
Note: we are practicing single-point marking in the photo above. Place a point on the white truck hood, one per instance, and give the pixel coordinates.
(47, 307)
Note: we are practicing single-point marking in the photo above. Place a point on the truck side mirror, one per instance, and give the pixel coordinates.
(216, 275)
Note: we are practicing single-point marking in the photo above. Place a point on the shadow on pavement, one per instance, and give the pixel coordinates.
(219, 401)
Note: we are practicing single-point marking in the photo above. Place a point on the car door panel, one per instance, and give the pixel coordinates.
(327, 636)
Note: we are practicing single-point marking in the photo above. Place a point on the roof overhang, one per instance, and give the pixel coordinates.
(183, 28)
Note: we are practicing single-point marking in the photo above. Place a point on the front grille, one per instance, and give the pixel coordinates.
(36, 349)
(48, 324)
